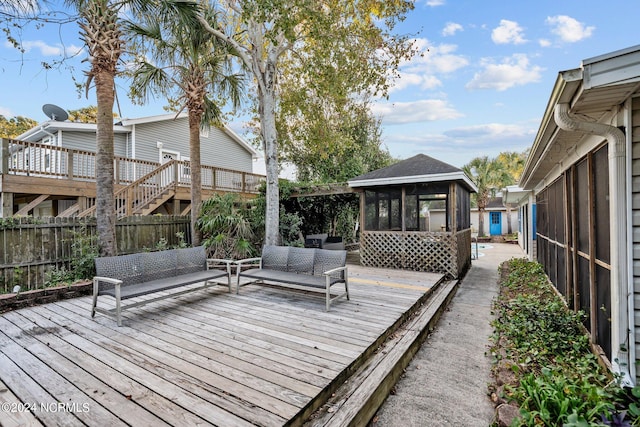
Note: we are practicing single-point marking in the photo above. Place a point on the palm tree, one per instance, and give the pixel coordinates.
(513, 163)
(489, 176)
(100, 31)
(194, 66)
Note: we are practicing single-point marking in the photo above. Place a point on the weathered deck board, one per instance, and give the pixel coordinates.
(263, 357)
(14, 415)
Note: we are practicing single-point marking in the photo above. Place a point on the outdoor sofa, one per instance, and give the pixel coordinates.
(129, 276)
(298, 268)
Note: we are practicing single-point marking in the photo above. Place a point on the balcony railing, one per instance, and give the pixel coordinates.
(42, 160)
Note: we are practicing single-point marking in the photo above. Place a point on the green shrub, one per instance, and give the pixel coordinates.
(558, 380)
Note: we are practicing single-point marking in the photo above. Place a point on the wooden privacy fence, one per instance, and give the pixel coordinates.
(32, 247)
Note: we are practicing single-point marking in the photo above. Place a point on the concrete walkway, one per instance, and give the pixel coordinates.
(446, 382)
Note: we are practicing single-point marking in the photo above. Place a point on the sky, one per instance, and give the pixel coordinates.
(479, 87)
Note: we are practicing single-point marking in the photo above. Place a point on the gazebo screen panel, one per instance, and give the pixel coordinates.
(463, 208)
(383, 209)
(420, 199)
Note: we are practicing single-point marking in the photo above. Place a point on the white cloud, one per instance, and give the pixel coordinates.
(492, 131)
(427, 110)
(434, 3)
(513, 71)
(544, 43)
(424, 81)
(49, 50)
(440, 59)
(508, 32)
(425, 70)
(568, 29)
(451, 28)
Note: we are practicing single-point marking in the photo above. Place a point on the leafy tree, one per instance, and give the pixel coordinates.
(86, 114)
(513, 163)
(10, 128)
(349, 38)
(490, 176)
(194, 68)
(327, 145)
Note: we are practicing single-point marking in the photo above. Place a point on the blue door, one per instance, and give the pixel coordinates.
(495, 219)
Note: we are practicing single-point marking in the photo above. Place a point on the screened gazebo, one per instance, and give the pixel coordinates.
(415, 215)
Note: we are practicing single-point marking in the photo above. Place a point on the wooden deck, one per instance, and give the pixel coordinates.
(266, 357)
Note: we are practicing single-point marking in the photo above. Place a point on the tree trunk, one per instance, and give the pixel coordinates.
(105, 202)
(509, 228)
(195, 119)
(267, 106)
(481, 221)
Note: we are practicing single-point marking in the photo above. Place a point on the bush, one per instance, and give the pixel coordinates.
(551, 373)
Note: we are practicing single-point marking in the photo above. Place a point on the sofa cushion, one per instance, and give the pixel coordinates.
(275, 257)
(128, 268)
(300, 260)
(159, 265)
(191, 260)
(326, 259)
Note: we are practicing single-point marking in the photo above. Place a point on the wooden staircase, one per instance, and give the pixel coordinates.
(146, 194)
(35, 202)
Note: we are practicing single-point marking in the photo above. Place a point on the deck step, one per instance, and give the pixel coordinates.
(360, 397)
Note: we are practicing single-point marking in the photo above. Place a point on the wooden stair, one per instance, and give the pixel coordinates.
(152, 205)
(359, 397)
(136, 198)
(70, 211)
(35, 202)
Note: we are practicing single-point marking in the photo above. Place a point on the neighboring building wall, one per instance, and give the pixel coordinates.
(216, 146)
(526, 230)
(635, 207)
(475, 220)
(86, 141)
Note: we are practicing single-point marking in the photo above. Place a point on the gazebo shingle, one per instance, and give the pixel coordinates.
(417, 169)
(418, 165)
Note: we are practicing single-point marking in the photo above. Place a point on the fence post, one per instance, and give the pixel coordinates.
(6, 199)
(117, 170)
(70, 164)
(4, 157)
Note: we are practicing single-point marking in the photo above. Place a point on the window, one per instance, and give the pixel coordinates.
(426, 208)
(383, 210)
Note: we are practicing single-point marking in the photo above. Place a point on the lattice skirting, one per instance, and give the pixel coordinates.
(438, 252)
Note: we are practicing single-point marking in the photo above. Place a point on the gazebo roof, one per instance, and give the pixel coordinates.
(417, 169)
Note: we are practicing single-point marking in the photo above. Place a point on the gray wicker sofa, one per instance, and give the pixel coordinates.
(298, 268)
(129, 276)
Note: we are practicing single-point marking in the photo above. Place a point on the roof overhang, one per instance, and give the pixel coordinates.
(454, 176)
(514, 195)
(46, 128)
(594, 91)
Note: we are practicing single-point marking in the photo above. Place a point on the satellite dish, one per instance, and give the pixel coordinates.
(55, 113)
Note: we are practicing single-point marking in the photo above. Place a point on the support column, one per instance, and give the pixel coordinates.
(6, 205)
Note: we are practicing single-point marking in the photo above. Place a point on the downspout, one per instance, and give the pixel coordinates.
(43, 130)
(617, 215)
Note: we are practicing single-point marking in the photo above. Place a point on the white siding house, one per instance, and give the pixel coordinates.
(50, 170)
(148, 138)
(579, 200)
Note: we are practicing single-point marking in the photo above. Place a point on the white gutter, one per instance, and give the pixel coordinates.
(617, 217)
(42, 129)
